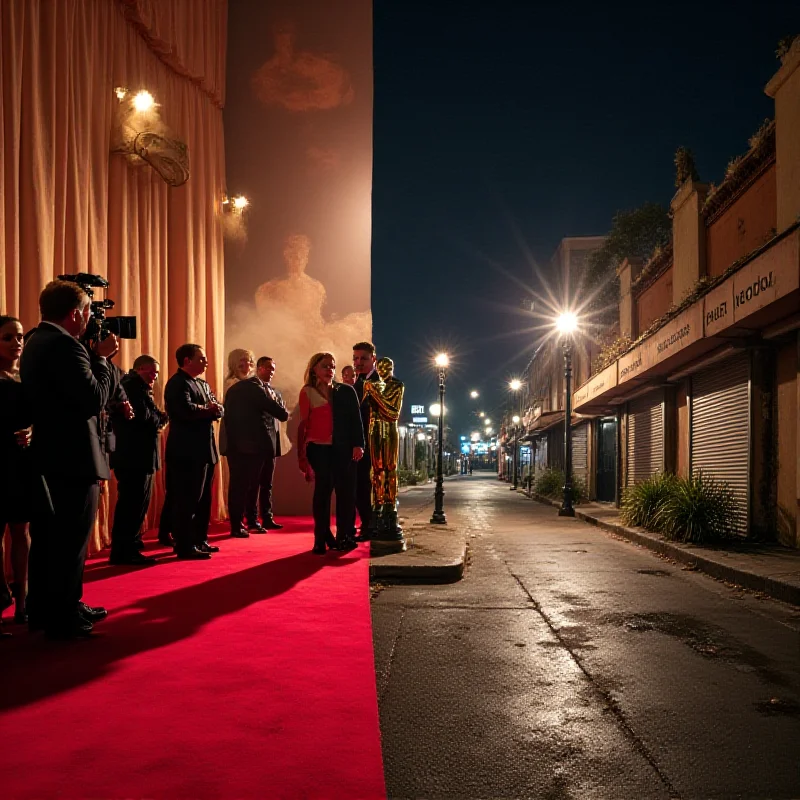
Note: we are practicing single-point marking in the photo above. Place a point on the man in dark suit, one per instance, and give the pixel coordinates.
(67, 389)
(253, 411)
(364, 360)
(135, 459)
(191, 452)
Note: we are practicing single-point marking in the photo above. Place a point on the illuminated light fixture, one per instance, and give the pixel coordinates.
(515, 419)
(442, 360)
(475, 437)
(567, 322)
(481, 413)
(463, 438)
(473, 394)
(487, 421)
(240, 202)
(120, 92)
(421, 437)
(142, 101)
(515, 385)
(435, 409)
(234, 205)
(488, 431)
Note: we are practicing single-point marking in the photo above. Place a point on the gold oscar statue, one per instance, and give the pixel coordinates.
(386, 396)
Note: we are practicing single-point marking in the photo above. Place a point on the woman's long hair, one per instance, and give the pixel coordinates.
(234, 357)
(310, 378)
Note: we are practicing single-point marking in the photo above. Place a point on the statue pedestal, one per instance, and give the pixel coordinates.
(386, 535)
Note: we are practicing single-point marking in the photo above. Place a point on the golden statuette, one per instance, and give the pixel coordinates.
(386, 397)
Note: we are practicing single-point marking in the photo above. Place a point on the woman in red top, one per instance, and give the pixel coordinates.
(331, 442)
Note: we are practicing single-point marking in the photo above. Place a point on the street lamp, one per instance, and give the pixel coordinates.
(515, 385)
(438, 517)
(473, 394)
(567, 324)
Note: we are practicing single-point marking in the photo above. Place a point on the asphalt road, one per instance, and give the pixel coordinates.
(570, 664)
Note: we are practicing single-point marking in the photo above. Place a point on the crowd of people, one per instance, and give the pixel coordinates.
(59, 448)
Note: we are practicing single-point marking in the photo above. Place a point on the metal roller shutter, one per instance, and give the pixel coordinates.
(580, 453)
(645, 437)
(720, 428)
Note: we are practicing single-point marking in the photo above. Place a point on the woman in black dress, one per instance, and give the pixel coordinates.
(15, 469)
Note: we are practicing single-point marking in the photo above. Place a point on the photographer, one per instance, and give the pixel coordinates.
(135, 460)
(66, 389)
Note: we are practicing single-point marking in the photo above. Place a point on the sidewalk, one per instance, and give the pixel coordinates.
(434, 553)
(771, 569)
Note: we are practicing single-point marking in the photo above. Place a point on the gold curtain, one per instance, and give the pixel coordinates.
(68, 205)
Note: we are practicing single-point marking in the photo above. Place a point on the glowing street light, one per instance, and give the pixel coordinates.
(567, 324)
(515, 419)
(474, 394)
(481, 414)
(515, 385)
(487, 421)
(475, 436)
(435, 409)
(488, 431)
(438, 517)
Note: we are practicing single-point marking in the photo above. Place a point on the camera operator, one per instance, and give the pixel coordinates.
(66, 389)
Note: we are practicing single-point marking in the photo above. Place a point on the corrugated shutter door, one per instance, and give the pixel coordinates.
(721, 428)
(580, 452)
(645, 437)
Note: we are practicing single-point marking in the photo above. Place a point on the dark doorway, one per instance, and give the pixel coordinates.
(607, 460)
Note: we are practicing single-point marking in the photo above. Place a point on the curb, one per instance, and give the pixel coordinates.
(451, 572)
(749, 580)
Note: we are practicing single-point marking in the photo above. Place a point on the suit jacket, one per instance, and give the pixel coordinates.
(191, 427)
(137, 447)
(365, 401)
(250, 420)
(348, 430)
(109, 417)
(66, 390)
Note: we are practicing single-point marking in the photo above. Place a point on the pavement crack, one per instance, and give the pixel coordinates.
(607, 698)
(387, 673)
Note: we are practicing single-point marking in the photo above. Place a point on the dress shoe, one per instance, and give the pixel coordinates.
(167, 541)
(257, 528)
(239, 533)
(139, 544)
(319, 550)
(363, 537)
(271, 525)
(192, 554)
(92, 613)
(348, 543)
(132, 559)
(205, 547)
(77, 628)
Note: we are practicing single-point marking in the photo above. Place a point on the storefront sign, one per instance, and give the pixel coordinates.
(418, 410)
(718, 308)
(600, 384)
(684, 330)
(631, 364)
(767, 278)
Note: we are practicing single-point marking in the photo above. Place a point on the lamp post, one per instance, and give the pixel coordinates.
(567, 323)
(438, 516)
(515, 385)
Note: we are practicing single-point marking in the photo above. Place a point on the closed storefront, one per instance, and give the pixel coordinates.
(580, 453)
(645, 437)
(720, 428)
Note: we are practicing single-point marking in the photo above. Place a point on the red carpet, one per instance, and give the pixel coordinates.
(250, 675)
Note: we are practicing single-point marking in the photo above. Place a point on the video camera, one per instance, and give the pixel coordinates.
(100, 326)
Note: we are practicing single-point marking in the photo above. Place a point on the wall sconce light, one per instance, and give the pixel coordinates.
(234, 205)
(140, 136)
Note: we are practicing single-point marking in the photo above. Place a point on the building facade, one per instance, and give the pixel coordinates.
(707, 379)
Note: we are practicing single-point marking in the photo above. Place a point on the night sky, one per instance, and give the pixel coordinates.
(502, 127)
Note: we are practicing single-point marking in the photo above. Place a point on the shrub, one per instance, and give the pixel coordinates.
(641, 502)
(551, 484)
(408, 477)
(697, 509)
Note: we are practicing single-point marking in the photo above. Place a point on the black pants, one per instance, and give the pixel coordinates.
(165, 520)
(245, 471)
(58, 551)
(264, 487)
(334, 471)
(364, 490)
(134, 490)
(189, 491)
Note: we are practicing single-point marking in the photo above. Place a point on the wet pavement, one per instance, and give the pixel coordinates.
(570, 664)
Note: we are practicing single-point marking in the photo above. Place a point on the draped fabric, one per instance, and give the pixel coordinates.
(67, 204)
